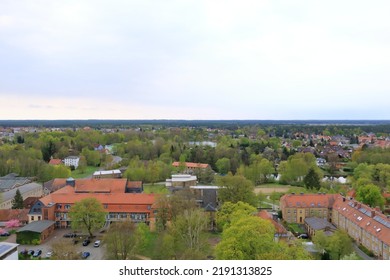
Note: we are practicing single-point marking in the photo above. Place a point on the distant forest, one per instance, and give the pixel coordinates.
(374, 125)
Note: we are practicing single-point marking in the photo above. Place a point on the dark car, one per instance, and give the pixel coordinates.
(30, 252)
(85, 255)
(5, 233)
(70, 235)
(37, 253)
(303, 236)
(86, 242)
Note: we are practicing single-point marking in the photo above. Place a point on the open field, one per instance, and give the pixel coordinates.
(88, 172)
(270, 188)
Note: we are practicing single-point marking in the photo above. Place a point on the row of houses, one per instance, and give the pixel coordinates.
(326, 212)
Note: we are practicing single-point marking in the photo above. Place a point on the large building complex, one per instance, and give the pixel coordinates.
(116, 195)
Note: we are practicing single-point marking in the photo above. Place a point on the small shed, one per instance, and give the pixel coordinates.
(35, 232)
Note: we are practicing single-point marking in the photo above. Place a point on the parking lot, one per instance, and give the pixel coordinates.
(97, 253)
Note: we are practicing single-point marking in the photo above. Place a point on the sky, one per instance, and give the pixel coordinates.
(195, 60)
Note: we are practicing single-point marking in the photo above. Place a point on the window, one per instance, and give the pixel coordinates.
(32, 218)
(59, 206)
(67, 206)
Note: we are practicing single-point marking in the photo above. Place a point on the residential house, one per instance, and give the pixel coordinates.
(55, 161)
(367, 226)
(297, 207)
(72, 161)
(115, 195)
(280, 230)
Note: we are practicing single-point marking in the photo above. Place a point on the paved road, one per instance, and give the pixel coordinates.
(360, 253)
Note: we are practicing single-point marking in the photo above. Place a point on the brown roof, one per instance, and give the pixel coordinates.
(104, 185)
(9, 214)
(308, 200)
(29, 202)
(55, 161)
(365, 217)
(191, 164)
(268, 216)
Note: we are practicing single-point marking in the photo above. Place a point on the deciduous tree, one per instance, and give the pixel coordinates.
(87, 214)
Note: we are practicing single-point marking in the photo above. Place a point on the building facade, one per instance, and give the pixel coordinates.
(297, 207)
(118, 202)
(72, 161)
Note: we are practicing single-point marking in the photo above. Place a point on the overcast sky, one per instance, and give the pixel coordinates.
(124, 59)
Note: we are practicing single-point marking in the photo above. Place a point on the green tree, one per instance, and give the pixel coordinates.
(17, 201)
(236, 188)
(189, 231)
(121, 241)
(246, 239)
(223, 165)
(371, 195)
(337, 245)
(312, 180)
(87, 214)
(232, 211)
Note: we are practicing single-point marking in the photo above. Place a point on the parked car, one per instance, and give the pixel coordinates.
(85, 255)
(70, 235)
(86, 242)
(49, 254)
(303, 236)
(37, 253)
(30, 252)
(5, 233)
(97, 243)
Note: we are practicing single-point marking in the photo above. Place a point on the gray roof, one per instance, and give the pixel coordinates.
(319, 223)
(38, 226)
(8, 182)
(5, 196)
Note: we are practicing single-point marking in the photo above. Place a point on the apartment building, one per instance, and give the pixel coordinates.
(367, 226)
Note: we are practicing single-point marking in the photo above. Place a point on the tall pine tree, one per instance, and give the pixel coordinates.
(312, 180)
(17, 202)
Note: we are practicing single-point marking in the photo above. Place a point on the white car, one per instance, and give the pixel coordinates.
(49, 254)
(97, 243)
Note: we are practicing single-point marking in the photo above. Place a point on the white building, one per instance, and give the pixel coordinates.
(72, 161)
(8, 251)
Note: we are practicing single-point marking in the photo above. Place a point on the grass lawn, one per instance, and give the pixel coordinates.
(159, 189)
(76, 174)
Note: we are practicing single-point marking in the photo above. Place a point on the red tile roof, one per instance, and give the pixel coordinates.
(268, 216)
(104, 185)
(110, 192)
(365, 217)
(191, 164)
(55, 161)
(308, 200)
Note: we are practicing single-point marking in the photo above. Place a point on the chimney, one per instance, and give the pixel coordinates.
(372, 213)
(71, 182)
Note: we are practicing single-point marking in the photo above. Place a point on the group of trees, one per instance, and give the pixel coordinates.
(248, 237)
